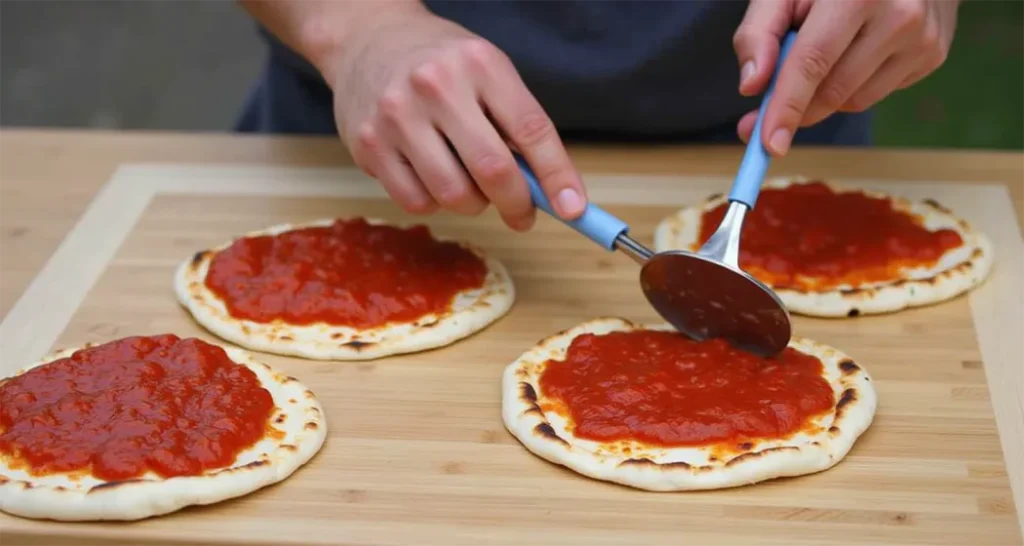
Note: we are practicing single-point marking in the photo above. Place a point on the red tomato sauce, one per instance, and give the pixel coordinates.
(351, 273)
(809, 237)
(663, 389)
(172, 406)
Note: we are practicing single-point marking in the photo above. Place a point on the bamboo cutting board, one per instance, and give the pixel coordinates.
(416, 451)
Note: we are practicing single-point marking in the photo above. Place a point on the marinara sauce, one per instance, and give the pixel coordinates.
(664, 389)
(351, 273)
(172, 406)
(807, 236)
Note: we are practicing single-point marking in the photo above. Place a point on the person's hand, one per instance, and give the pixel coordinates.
(430, 110)
(848, 55)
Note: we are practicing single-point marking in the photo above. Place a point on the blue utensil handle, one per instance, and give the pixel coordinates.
(595, 223)
(747, 185)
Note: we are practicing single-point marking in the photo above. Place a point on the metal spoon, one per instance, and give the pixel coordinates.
(705, 294)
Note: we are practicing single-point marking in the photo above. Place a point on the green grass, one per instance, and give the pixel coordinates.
(976, 100)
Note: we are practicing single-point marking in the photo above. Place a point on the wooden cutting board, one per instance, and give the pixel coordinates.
(416, 450)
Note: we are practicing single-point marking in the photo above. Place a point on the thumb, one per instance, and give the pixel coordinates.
(756, 42)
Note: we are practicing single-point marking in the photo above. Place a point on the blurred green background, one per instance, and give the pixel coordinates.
(976, 100)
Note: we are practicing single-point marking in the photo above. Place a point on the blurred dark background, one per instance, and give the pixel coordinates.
(187, 65)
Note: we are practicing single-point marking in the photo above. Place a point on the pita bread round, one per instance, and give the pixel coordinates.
(297, 416)
(960, 270)
(470, 312)
(547, 434)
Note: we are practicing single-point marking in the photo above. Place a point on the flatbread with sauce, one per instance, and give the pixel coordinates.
(646, 407)
(831, 251)
(349, 289)
(143, 426)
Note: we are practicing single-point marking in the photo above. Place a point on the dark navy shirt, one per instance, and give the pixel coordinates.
(603, 70)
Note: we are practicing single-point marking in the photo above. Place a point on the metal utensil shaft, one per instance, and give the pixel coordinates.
(630, 247)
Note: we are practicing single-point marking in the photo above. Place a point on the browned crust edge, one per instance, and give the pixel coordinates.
(850, 372)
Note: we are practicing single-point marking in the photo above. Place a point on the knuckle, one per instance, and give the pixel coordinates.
(367, 140)
(931, 43)
(814, 64)
(479, 54)
(494, 169)
(534, 127)
(793, 108)
(393, 104)
(453, 194)
(909, 14)
(366, 148)
(430, 79)
(832, 95)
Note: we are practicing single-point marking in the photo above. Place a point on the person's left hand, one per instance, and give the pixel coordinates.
(848, 55)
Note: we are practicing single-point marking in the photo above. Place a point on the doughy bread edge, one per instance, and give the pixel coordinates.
(298, 416)
(968, 267)
(546, 435)
(472, 312)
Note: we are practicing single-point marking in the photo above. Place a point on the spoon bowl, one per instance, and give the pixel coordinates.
(705, 298)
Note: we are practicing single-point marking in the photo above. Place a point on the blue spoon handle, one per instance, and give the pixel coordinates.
(595, 223)
(747, 184)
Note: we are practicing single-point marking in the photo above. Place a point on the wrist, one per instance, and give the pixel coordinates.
(328, 39)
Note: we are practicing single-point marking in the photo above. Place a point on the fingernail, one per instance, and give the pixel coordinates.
(570, 201)
(779, 142)
(747, 72)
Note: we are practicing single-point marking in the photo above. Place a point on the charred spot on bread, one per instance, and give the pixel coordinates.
(640, 461)
(198, 257)
(849, 395)
(757, 454)
(849, 367)
(527, 393)
(644, 461)
(853, 312)
(935, 205)
(112, 485)
(545, 430)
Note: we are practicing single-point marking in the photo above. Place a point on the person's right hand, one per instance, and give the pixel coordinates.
(430, 110)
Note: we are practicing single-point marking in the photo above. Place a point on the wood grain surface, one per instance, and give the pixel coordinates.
(416, 451)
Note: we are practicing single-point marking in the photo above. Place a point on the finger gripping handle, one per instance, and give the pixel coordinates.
(595, 223)
(747, 185)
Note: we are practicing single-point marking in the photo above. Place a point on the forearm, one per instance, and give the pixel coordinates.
(318, 29)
